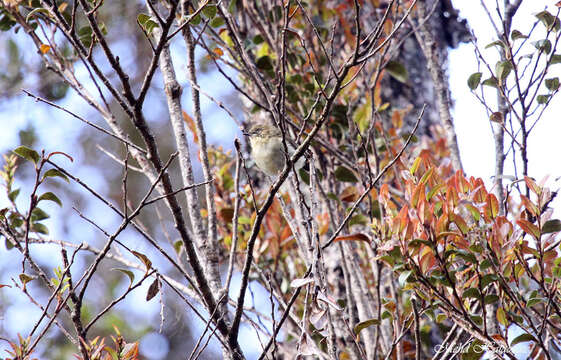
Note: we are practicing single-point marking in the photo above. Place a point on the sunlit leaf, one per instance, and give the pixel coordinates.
(24, 278)
(529, 228)
(129, 274)
(147, 263)
(501, 316)
(55, 173)
(405, 277)
(51, 197)
(522, 338)
(364, 324)
(27, 154)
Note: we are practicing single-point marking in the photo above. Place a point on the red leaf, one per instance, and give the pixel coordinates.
(531, 184)
(529, 205)
(191, 125)
(529, 228)
(491, 207)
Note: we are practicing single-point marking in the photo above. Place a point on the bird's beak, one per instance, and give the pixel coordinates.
(246, 133)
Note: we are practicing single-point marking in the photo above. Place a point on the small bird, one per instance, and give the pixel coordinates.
(267, 149)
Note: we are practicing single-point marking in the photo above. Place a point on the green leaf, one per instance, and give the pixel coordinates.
(51, 197)
(415, 166)
(27, 154)
(217, 22)
(24, 278)
(264, 63)
(359, 219)
(477, 319)
(502, 69)
(552, 84)
(551, 226)
(467, 256)
(196, 20)
(490, 299)
(6, 22)
(495, 43)
(549, 21)
(142, 19)
(343, 174)
(364, 324)
(39, 228)
(397, 71)
(13, 195)
(543, 45)
(542, 99)
(177, 246)
(405, 277)
(501, 316)
(387, 315)
(533, 301)
(232, 6)
(474, 80)
(150, 26)
(522, 338)
(35, 12)
(515, 35)
(85, 35)
(209, 11)
(492, 81)
(55, 173)
(555, 59)
(362, 116)
(471, 293)
(258, 39)
(129, 273)
(487, 279)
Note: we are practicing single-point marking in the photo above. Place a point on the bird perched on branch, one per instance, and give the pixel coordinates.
(267, 149)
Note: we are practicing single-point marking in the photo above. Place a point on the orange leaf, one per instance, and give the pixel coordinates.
(531, 184)
(529, 205)
(191, 125)
(491, 206)
(461, 224)
(218, 52)
(480, 195)
(353, 237)
(44, 48)
(349, 194)
(462, 185)
(403, 218)
(529, 228)
(417, 194)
